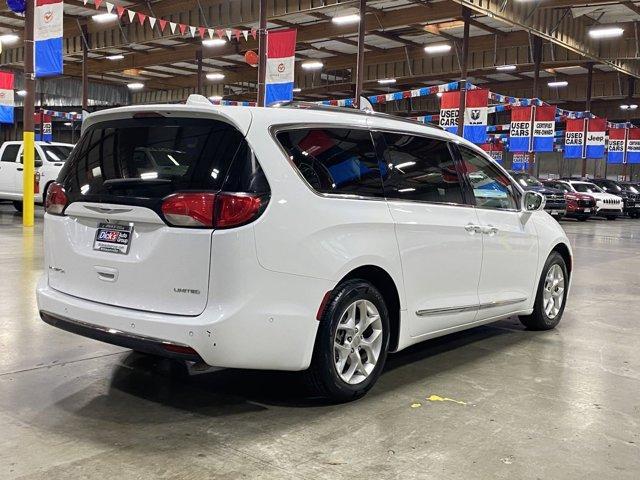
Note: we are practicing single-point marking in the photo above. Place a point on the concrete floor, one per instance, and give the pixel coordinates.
(563, 404)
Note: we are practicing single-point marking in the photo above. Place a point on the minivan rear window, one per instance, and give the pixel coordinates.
(151, 157)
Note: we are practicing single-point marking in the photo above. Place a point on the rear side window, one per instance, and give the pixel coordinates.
(335, 160)
(422, 169)
(151, 157)
(10, 153)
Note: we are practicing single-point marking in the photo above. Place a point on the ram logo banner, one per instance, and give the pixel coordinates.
(616, 147)
(596, 132)
(6, 97)
(633, 145)
(449, 107)
(281, 49)
(48, 38)
(520, 129)
(574, 138)
(475, 115)
(544, 128)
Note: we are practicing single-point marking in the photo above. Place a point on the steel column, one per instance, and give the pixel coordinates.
(85, 67)
(466, 16)
(262, 54)
(199, 75)
(536, 53)
(27, 120)
(587, 107)
(360, 57)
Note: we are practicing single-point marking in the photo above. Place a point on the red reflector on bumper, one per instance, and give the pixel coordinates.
(170, 347)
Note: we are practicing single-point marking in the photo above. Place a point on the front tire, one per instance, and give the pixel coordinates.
(611, 217)
(17, 205)
(551, 295)
(582, 218)
(351, 343)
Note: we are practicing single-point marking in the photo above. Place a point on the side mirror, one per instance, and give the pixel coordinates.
(532, 201)
(38, 163)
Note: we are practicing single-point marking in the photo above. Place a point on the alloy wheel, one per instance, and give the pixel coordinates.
(553, 293)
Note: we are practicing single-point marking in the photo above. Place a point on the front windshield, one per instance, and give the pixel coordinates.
(613, 186)
(56, 153)
(527, 180)
(633, 189)
(587, 188)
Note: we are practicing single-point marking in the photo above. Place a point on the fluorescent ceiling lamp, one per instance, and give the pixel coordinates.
(312, 65)
(346, 19)
(405, 190)
(559, 83)
(9, 38)
(135, 86)
(624, 107)
(104, 17)
(73, 113)
(605, 32)
(506, 68)
(297, 90)
(215, 98)
(437, 48)
(633, 106)
(21, 93)
(148, 175)
(215, 76)
(400, 166)
(213, 42)
(386, 81)
(68, 124)
(113, 58)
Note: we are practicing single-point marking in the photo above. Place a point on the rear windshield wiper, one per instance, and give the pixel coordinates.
(132, 182)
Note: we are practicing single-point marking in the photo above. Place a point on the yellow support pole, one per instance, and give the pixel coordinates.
(28, 179)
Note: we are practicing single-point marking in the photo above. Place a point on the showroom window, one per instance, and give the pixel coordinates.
(335, 160)
(422, 169)
(491, 187)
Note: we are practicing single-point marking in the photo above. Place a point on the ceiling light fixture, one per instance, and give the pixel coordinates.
(624, 107)
(386, 81)
(437, 48)
(215, 98)
(213, 42)
(135, 86)
(21, 93)
(213, 76)
(297, 90)
(506, 68)
(558, 83)
(312, 65)
(104, 17)
(633, 106)
(346, 19)
(115, 57)
(605, 32)
(9, 38)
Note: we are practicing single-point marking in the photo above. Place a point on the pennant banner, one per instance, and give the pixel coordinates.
(281, 49)
(596, 133)
(633, 145)
(48, 37)
(475, 115)
(544, 128)
(520, 129)
(574, 138)
(6, 97)
(617, 143)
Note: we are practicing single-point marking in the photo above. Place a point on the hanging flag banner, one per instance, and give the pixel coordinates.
(520, 129)
(544, 128)
(616, 146)
(633, 145)
(281, 49)
(47, 38)
(574, 138)
(596, 131)
(494, 149)
(475, 115)
(6, 97)
(520, 161)
(45, 132)
(449, 106)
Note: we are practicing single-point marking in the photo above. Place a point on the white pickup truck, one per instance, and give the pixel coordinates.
(50, 158)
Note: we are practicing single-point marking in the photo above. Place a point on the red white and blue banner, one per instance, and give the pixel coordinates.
(48, 38)
(281, 49)
(633, 145)
(574, 138)
(617, 145)
(596, 132)
(449, 107)
(475, 115)
(44, 131)
(520, 161)
(544, 128)
(520, 129)
(6, 97)
(494, 149)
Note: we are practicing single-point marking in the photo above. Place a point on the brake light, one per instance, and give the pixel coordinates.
(210, 210)
(56, 200)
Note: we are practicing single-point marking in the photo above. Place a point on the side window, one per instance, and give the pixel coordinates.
(491, 188)
(10, 152)
(335, 160)
(37, 158)
(421, 169)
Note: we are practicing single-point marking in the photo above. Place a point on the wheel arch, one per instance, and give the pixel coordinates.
(387, 287)
(565, 253)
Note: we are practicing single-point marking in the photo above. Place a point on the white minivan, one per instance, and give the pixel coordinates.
(290, 238)
(49, 159)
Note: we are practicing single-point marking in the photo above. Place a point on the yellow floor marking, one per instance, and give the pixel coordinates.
(438, 398)
(416, 405)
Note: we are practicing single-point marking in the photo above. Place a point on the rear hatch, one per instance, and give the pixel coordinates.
(113, 244)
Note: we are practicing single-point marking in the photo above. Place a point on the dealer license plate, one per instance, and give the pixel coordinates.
(113, 238)
(587, 210)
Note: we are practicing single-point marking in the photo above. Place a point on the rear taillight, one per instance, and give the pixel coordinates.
(36, 182)
(56, 200)
(210, 210)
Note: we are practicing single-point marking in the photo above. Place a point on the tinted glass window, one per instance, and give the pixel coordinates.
(56, 153)
(152, 157)
(421, 169)
(335, 160)
(10, 153)
(491, 188)
(587, 188)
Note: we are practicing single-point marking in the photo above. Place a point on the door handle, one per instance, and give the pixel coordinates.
(20, 169)
(490, 230)
(471, 228)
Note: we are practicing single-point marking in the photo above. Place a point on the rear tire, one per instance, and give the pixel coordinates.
(550, 301)
(611, 217)
(558, 217)
(582, 218)
(17, 205)
(351, 343)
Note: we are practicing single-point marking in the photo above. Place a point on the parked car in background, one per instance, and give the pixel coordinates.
(579, 205)
(556, 205)
(313, 238)
(630, 198)
(49, 160)
(607, 205)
